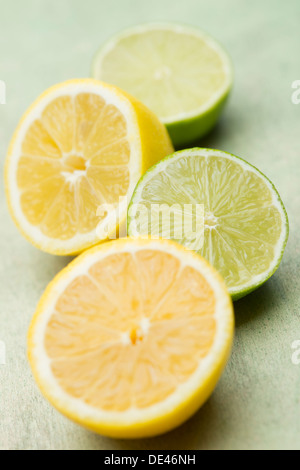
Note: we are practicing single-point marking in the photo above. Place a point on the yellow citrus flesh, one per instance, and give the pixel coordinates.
(132, 337)
(82, 144)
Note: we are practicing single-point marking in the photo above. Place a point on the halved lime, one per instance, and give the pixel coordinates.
(180, 73)
(245, 222)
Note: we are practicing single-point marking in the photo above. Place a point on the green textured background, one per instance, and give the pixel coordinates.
(256, 404)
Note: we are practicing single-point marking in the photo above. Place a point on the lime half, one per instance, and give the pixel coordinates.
(182, 75)
(245, 225)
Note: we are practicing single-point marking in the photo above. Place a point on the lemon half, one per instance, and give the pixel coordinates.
(80, 147)
(131, 338)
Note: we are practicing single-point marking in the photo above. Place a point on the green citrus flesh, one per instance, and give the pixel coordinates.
(245, 225)
(180, 73)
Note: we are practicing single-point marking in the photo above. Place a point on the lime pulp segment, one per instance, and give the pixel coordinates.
(245, 223)
(184, 80)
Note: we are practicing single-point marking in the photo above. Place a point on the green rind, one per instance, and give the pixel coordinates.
(190, 130)
(243, 292)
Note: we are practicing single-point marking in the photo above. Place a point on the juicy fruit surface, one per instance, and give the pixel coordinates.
(123, 329)
(244, 221)
(74, 157)
(131, 352)
(81, 147)
(184, 70)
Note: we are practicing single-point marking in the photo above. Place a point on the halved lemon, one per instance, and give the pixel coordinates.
(131, 338)
(181, 73)
(244, 220)
(81, 146)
